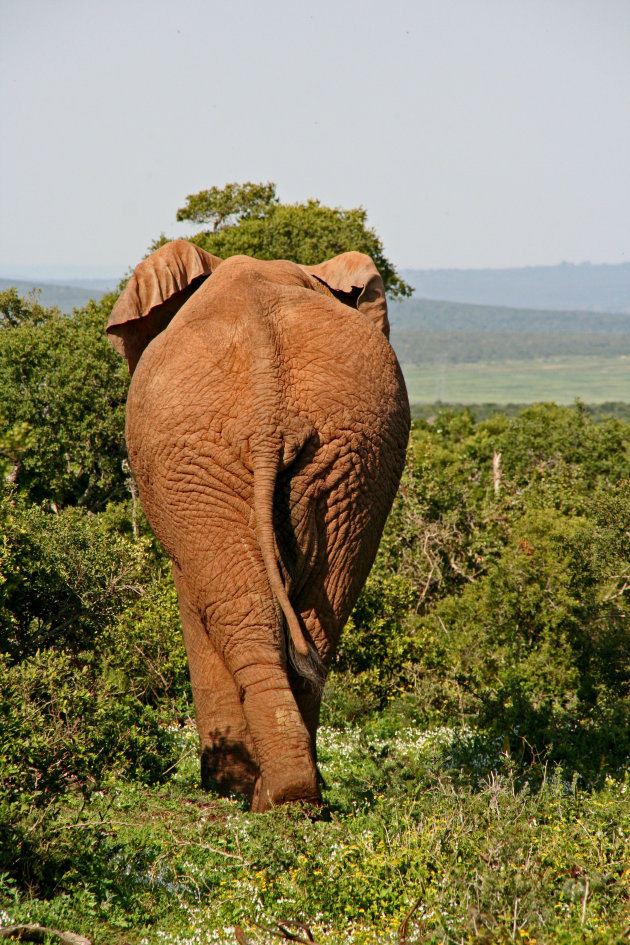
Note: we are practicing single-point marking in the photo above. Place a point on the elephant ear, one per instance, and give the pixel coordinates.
(354, 279)
(158, 288)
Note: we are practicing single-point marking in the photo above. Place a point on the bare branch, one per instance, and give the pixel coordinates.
(402, 931)
(38, 933)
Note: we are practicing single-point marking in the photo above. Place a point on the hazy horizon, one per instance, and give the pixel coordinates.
(56, 274)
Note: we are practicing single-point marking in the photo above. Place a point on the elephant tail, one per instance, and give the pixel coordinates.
(302, 653)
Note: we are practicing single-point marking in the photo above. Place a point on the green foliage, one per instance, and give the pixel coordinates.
(539, 649)
(545, 441)
(63, 578)
(92, 679)
(15, 441)
(144, 649)
(249, 220)
(519, 594)
(482, 411)
(63, 386)
(305, 233)
(373, 651)
(67, 729)
(218, 205)
(414, 831)
(15, 310)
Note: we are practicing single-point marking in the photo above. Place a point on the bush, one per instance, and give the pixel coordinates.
(144, 649)
(374, 648)
(514, 610)
(67, 730)
(545, 435)
(61, 378)
(92, 678)
(64, 578)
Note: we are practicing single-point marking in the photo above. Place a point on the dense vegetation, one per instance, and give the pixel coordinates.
(466, 347)
(417, 314)
(482, 411)
(475, 730)
(426, 331)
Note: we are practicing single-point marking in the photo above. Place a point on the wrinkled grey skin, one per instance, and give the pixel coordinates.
(267, 426)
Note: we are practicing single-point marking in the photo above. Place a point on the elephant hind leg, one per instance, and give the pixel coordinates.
(283, 745)
(234, 614)
(255, 657)
(227, 753)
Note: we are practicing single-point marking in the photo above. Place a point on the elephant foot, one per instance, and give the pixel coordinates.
(227, 768)
(268, 794)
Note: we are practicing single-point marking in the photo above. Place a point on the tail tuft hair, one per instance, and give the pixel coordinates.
(311, 666)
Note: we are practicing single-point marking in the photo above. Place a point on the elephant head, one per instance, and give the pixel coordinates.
(267, 423)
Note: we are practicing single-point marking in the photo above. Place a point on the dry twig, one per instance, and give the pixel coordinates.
(37, 933)
(281, 931)
(402, 931)
(584, 900)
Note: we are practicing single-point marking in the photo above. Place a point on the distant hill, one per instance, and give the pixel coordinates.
(587, 287)
(435, 315)
(468, 347)
(429, 331)
(64, 297)
(591, 288)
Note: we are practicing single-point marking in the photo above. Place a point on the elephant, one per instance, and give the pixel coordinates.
(267, 423)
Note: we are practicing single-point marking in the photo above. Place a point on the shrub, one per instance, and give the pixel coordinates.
(514, 611)
(92, 678)
(61, 377)
(375, 646)
(67, 729)
(144, 649)
(539, 648)
(64, 578)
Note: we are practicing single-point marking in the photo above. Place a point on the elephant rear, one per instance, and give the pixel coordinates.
(267, 426)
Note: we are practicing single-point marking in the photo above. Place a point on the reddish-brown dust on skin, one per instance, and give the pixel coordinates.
(267, 425)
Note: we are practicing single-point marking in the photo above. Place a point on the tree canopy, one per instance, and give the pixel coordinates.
(15, 310)
(62, 403)
(218, 205)
(249, 219)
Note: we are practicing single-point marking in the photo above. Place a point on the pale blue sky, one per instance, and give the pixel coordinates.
(477, 133)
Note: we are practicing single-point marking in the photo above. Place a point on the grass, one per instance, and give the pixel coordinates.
(591, 379)
(441, 827)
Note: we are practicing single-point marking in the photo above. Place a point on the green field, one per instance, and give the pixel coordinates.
(562, 380)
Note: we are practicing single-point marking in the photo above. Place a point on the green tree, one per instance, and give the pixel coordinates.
(63, 578)
(15, 310)
(218, 205)
(249, 219)
(62, 404)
